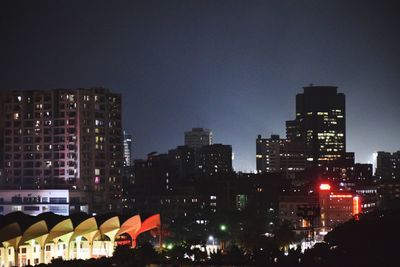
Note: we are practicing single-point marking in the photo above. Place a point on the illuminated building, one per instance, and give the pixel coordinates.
(63, 139)
(337, 207)
(388, 165)
(31, 240)
(34, 202)
(198, 137)
(279, 155)
(214, 160)
(334, 207)
(389, 192)
(369, 195)
(268, 153)
(388, 171)
(320, 123)
(127, 149)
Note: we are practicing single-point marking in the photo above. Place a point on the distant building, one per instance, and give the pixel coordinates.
(337, 206)
(214, 160)
(63, 139)
(361, 172)
(320, 123)
(289, 209)
(198, 137)
(331, 206)
(127, 149)
(183, 158)
(388, 172)
(280, 155)
(388, 165)
(268, 153)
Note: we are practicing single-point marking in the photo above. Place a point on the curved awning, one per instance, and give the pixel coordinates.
(35, 230)
(87, 226)
(62, 228)
(109, 225)
(10, 231)
(130, 226)
(150, 223)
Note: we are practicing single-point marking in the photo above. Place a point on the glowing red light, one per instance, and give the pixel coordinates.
(324, 187)
(356, 205)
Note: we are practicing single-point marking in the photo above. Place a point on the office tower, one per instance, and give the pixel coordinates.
(388, 165)
(198, 137)
(214, 160)
(63, 139)
(320, 123)
(127, 149)
(279, 155)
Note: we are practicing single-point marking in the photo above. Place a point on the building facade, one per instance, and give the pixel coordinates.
(35, 202)
(198, 137)
(214, 160)
(63, 139)
(127, 149)
(320, 123)
(275, 154)
(268, 153)
(388, 165)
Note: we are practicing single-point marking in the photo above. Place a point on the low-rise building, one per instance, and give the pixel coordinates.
(34, 202)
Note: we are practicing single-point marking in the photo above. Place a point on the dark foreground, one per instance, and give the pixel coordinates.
(370, 241)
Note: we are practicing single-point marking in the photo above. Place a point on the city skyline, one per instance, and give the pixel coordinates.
(231, 67)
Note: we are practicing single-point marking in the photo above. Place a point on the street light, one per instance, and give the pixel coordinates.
(211, 238)
(222, 227)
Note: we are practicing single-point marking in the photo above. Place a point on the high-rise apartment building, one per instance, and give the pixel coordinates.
(268, 153)
(388, 165)
(320, 123)
(198, 137)
(63, 139)
(127, 149)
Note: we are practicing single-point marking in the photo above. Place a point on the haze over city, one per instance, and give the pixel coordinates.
(231, 66)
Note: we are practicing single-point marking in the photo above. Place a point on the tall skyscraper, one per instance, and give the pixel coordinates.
(320, 123)
(127, 149)
(64, 139)
(198, 137)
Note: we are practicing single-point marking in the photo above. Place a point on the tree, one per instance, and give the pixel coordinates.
(284, 235)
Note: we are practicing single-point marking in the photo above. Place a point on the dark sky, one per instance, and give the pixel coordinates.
(231, 66)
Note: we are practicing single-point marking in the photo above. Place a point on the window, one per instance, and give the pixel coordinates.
(31, 208)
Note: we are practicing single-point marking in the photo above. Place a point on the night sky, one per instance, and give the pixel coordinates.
(231, 66)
